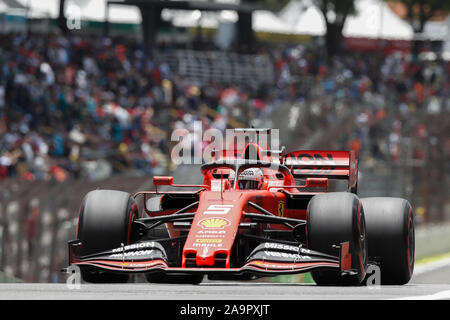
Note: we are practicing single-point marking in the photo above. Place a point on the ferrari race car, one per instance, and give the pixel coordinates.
(258, 213)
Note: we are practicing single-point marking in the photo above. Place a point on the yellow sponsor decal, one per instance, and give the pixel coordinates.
(214, 223)
(281, 208)
(208, 240)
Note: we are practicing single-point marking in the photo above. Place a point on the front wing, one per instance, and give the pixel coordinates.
(268, 258)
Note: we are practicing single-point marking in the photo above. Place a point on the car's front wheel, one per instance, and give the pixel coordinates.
(105, 222)
(333, 218)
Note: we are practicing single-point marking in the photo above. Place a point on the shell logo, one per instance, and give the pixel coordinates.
(214, 223)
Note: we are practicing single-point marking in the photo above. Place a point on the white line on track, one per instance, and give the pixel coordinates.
(442, 295)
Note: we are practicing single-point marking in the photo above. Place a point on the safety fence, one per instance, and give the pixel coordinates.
(38, 218)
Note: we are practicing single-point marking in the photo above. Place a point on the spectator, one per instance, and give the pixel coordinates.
(67, 104)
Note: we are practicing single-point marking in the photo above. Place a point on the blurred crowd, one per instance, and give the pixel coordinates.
(95, 106)
(388, 98)
(90, 106)
(393, 111)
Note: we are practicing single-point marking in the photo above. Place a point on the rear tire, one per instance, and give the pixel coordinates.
(390, 226)
(334, 218)
(104, 223)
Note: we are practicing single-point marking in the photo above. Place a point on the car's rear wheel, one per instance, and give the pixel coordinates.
(390, 226)
(105, 222)
(334, 218)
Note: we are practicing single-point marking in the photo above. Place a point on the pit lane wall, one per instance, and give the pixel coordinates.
(432, 240)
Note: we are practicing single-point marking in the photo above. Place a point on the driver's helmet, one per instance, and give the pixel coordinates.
(251, 179)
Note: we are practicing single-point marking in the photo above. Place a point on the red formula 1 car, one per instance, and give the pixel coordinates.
(258, 212)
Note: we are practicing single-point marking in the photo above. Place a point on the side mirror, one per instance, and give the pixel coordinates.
(163, 180)
(317, 182)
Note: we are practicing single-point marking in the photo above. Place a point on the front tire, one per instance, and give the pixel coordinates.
(334, 218)
(105, 223)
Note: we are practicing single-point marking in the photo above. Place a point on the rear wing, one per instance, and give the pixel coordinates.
(324, 164)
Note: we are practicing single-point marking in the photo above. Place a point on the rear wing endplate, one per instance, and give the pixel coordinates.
(324, 164)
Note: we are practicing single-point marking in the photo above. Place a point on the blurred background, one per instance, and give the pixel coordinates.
(90, 91)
